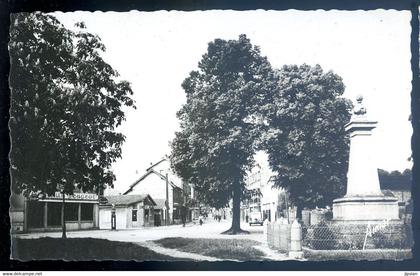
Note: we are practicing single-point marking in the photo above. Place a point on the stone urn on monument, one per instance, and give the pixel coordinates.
(364, 200)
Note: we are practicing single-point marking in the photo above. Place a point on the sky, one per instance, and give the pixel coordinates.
(155, 51)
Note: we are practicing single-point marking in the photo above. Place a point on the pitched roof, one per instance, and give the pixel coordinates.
(156, 164)
(124, 200)
(160, 203)
(149, 171)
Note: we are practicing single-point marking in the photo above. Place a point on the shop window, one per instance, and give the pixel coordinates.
(72, 211)
(35, 211)
(134, 215)
(54, 214)
(86, 211)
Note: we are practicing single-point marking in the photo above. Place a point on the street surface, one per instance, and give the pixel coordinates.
(211, 229)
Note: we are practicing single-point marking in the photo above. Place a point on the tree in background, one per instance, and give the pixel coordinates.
(395, 180)
(221, 121)
(65, 106)
(306, 141)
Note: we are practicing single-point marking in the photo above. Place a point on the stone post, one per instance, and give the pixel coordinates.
(276, 235)
(268, 231)
(265, 226)
(296, 241)
(306, 217)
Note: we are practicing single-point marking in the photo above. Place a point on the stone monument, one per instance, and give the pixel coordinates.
(364, 200)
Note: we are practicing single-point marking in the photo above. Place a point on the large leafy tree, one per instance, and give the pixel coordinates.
(66, 104)
(306, 141)
(395, 180)
(221, 120)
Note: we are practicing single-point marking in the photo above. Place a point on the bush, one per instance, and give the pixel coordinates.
(350, 242)
(323, 237)
(393, 237)
(327, 236)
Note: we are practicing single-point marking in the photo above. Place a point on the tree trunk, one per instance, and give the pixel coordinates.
(236, 213)
(299, 212)
(63, 220)
(287, 208)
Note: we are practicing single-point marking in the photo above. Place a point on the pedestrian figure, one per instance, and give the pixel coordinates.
(200, 219)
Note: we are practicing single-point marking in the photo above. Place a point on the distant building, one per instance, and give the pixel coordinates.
(166, 189)
(131, 211)
(44, 213)
(261, 194)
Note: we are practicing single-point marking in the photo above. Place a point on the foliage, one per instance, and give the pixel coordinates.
(221, 119)
(306, 140)
(324, 237)
(393, 237)
(327, 236)
(395, 180)
(330, 236)
(66, 104)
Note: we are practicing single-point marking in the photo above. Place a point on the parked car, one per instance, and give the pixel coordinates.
(256, 218)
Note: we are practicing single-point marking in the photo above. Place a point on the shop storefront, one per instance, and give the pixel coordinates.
(81, 212)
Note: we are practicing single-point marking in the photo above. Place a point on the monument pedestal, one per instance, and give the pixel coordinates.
(364, 200)
(365, 209)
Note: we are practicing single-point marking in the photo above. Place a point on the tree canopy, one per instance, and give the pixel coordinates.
(306, 140)
(66, 103)
(395, 180)
(220, 121)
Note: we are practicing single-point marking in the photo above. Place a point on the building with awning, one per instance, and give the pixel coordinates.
(38, 214)
(131, 211)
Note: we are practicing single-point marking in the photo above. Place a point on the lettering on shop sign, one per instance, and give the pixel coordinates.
(75, 196)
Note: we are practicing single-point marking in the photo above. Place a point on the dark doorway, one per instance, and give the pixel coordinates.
(157, 217)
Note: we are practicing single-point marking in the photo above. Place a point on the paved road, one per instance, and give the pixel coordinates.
(145, 236)
(210, 229)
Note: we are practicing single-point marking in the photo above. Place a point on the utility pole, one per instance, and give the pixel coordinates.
(167, 201)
